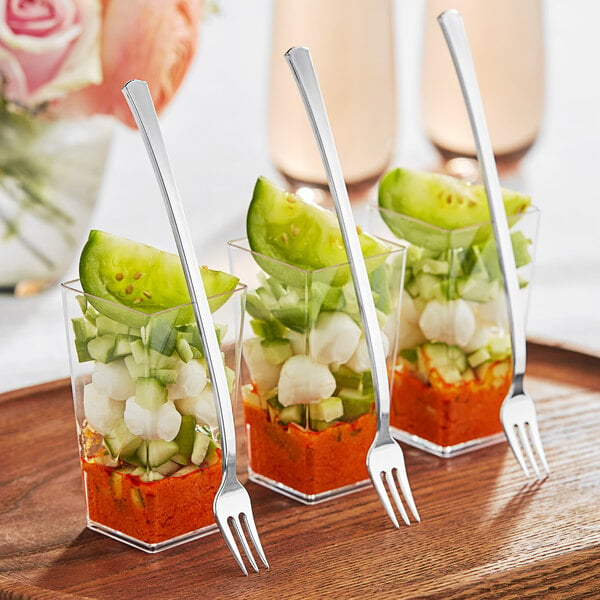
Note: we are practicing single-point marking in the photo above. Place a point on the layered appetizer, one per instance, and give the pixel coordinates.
(308, 402)
(144, 405)
(454, 363)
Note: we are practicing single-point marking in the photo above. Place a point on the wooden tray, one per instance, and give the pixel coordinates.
(485, 531)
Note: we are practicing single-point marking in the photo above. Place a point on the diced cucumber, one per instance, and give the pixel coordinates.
(414, 255)
(380, 286)
(84, 331)
(345, 377)
(489, 253)
(478, 357)
(474, 265)
(409, 354)
(191, 334)
(135, 369)
(186, 470)
(165, 376)
(150, 393)
(351, 306)
(318, 425)
(102, 348)
(153, 453)
(455, 257)
(121, 443)
(429, 286)
(367, 382)
(325, 297)
(449, 374)
(138, 350)
(136, 498)
(161, 335)
(168, 468)
(276, 287)
(520, 246)
(107, 325)
(448, 288)
(83, 303)
(267, 330)
(185, 440)
(277, 351)
(256, 308)
(294, 317)
(435, 267)
(251, 397)
(230, 376)
(91, 314)
(184, 349)
(291, 414)
(212, 456)
(328, 409)
(122, 345)
(147, 474)
(201, 446)
(266, 297)
(116, 484)
(478, 289)
(412, 287)
(355, 403)
(499, 346)
(160, 361)
(496, 371)
(442, 356)
(291, 299)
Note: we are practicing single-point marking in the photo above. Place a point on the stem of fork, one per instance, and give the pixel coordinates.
(454, 31)
(300, 63)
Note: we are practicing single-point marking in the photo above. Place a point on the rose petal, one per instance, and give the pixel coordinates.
(153, 40)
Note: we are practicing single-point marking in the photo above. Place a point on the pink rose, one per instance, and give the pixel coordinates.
(153, 40)
(48, 48)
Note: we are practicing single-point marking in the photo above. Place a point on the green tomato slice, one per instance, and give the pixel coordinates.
(296, 235)
(122, 273)
(438, 211)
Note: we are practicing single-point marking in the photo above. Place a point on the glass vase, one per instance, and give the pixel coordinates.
(50, 176)
(453, 368)
(146, 420)
(308, 393)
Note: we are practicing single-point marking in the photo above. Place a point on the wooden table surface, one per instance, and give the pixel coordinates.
(485, 532)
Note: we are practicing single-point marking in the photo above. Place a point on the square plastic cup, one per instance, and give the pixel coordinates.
(308, 394)
(145, 415)
(453, 368)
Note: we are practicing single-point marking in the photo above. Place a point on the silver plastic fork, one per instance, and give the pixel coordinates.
(517, 413)
(385, 460)
(232, 506)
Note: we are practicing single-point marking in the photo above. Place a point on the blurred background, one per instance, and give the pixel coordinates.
(216, 133)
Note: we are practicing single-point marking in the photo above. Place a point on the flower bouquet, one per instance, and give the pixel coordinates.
(62, 66)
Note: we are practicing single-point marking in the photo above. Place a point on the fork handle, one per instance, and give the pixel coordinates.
(142, 108)
(456, 37)
(303, 71)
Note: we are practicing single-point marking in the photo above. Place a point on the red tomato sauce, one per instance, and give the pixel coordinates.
(155, 511)
(449, 414)
(308, 461)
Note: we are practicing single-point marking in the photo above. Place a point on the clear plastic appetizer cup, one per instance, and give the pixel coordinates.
(454, 350)
(145, 414)
(308, 395)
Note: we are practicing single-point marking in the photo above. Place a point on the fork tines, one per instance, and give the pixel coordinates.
(525, 437)
(240, 523)
(387, 478)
